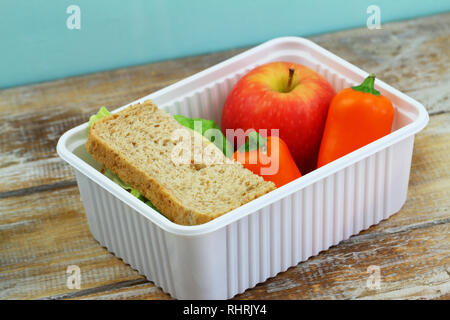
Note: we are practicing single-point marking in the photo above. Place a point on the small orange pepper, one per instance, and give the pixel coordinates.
(268, 157)
(357, 116)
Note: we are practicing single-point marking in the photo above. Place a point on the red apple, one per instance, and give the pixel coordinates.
(285, 96)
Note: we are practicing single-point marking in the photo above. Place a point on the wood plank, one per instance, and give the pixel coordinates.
(43, 232)
(412, 56)
(413, 265)
(142, 291)
(32, 118)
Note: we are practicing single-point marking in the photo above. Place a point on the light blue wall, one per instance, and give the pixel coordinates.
(36, 45)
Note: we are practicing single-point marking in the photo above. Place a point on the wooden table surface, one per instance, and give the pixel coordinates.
(43, 227)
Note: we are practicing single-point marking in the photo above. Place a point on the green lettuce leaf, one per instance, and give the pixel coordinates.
(103, 112)
(209, 129)
(254, 141)
(135, 192)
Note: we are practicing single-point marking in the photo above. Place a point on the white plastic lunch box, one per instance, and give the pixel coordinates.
(229, 254)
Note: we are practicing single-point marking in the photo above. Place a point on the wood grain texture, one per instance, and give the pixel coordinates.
(412, 56)
(43, 228)
(32, 118)
(41, 234)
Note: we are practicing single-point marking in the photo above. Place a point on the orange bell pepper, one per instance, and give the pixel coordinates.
(357, 116)
(268, 157)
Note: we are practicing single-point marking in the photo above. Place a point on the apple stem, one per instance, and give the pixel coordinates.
(291, 75)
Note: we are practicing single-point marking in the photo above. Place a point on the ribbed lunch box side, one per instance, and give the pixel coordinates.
(126, 233)
(230, 260)
(192, 267)
(243, 253)
(316, 217)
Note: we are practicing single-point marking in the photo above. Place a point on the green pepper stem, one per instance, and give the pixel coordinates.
(368, 85)
(254, 141)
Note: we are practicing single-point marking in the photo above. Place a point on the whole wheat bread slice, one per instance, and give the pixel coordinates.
(138, 144)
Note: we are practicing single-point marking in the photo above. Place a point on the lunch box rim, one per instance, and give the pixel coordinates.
(236, 214)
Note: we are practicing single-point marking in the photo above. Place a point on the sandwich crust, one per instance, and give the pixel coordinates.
(139, 144)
